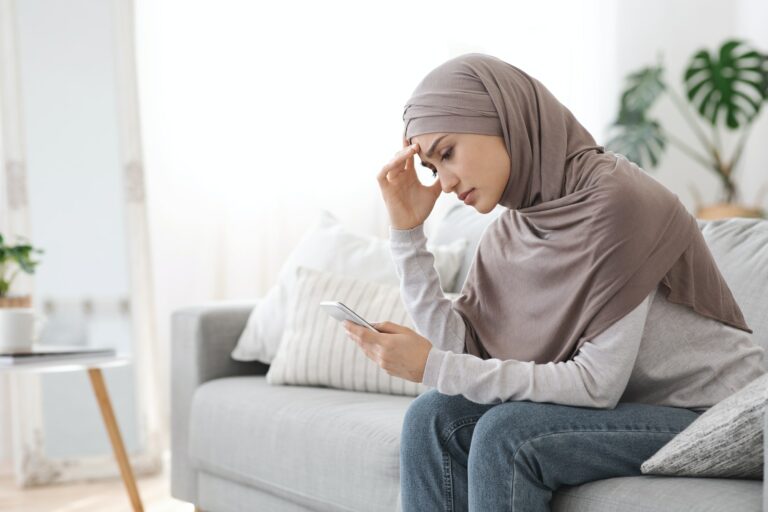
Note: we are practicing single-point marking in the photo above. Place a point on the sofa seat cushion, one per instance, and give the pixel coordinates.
(654, 493)
(327, 449)
(335, 450)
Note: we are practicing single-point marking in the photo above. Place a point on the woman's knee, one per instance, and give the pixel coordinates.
(432, 412)
(510, 423)
(423, 411)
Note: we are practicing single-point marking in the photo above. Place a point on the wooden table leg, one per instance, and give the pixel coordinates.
(97, 381)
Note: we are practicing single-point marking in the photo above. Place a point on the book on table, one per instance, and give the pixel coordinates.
(54, 352)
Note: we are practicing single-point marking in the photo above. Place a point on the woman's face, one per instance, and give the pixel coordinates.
(467, 161)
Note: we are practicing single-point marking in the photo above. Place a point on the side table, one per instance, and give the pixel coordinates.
(93, 364)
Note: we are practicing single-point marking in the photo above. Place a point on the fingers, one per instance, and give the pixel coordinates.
(409, 161)
(358, 331)
(398, 162)
(364, 334)
(364, 339)
(390, 327)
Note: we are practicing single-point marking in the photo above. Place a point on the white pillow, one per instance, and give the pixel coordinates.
(329, 247)
(725, 441)
(315, 350)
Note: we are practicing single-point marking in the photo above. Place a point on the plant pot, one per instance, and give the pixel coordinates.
(728, 210)
(16, 301)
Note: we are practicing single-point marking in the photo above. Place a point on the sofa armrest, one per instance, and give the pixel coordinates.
(202, 339)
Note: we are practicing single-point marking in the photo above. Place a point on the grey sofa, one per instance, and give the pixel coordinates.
(239, 444)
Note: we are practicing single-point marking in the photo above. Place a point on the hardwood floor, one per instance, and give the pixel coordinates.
(104, 496)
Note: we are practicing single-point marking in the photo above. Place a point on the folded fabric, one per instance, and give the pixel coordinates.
(316, 351)
(329, 247)
(725, 441)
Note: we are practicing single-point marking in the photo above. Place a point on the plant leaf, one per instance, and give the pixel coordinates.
(643, 88)
(641, 142)
(729, 86)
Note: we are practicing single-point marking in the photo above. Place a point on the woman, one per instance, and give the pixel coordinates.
(593, 325)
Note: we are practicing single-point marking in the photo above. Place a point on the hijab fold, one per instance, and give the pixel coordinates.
(587, 234)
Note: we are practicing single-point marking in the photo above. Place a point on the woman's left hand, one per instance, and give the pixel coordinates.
(398, 350)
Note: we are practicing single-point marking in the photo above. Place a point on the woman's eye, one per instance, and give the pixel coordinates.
(445, 155)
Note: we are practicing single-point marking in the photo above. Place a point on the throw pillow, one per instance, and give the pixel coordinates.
(329, 247)
(725, 441)
(315, 349)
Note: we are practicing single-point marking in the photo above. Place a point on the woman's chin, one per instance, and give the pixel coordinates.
(482, 207)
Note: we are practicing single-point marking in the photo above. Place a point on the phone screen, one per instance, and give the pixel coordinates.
(342, 312)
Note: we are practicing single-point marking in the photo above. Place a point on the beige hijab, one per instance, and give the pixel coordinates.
(587, 234)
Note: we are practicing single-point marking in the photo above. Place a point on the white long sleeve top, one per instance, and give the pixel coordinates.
(659, 353)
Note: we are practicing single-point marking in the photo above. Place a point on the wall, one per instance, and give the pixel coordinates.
(679, 29)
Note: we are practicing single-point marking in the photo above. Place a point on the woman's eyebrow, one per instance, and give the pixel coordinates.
(432, 146)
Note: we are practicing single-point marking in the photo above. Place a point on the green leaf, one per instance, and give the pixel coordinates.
(730, 85)
(643, 88)
(641, 142)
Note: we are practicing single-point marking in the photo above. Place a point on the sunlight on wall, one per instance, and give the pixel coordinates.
(255, 115)
(256, 107)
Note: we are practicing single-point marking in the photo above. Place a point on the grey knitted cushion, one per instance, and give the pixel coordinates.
(725, 441)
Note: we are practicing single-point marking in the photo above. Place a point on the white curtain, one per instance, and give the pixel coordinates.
(257, 114)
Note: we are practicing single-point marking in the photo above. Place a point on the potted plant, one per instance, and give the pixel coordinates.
(725, 90)
(12, 260)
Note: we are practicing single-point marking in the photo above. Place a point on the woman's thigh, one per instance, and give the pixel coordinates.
(617, 440)
(568, 445)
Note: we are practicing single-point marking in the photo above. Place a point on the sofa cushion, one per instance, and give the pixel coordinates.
(725, 441)
(325, 448)
(740, 249)
(327, 245)
(335, 450)
(657, 493)
(314, 349)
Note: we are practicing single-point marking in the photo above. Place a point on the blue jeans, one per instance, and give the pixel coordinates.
(521, 452)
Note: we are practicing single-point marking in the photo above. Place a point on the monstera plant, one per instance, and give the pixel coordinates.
(726, 90)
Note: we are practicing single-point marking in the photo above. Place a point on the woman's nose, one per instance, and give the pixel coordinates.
(448, 184)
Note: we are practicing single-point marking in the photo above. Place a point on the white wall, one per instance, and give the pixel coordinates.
(679, 29)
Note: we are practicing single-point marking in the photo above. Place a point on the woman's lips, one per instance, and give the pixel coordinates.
(467, 196)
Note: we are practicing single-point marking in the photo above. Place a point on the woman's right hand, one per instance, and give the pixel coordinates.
(409, 203)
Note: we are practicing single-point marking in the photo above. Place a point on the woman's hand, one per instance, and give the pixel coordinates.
(398, 350)
(409, 203)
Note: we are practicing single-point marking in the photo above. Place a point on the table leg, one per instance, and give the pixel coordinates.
(100, 390)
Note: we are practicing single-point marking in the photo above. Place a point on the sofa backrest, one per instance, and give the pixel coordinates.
(740, 249)
(739, 246)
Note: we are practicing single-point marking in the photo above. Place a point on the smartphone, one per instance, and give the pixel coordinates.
(341, 312)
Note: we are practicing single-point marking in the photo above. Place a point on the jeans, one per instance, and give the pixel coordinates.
(457, 455)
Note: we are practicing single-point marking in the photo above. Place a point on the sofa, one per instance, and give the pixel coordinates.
(241, 444)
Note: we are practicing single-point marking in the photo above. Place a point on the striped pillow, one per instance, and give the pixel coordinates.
(314, 349)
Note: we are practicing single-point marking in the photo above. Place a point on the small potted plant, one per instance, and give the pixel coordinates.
(726, 89)
(12, 260)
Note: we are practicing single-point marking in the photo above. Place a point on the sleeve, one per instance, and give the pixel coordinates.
(596, 377)
(432, 312)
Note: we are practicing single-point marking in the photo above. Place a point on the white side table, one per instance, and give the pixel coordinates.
(94, 364)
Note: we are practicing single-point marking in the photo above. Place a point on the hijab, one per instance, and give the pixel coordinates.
(586, 234)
